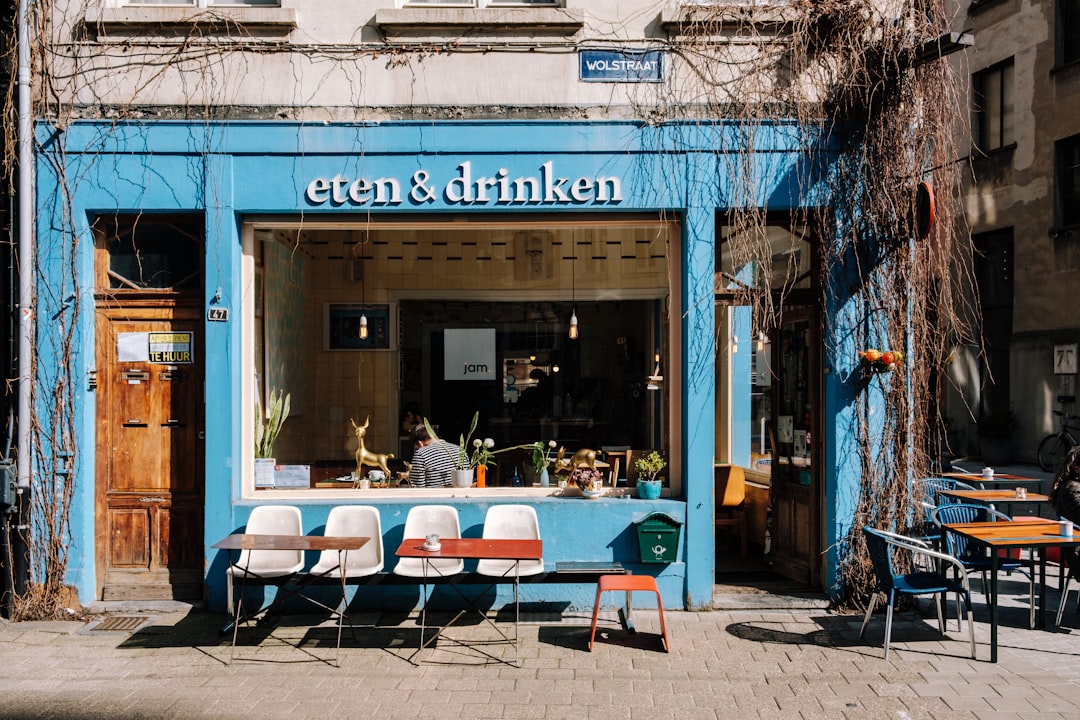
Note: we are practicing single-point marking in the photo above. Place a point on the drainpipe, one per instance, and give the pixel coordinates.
(25, 192)
(20, 520)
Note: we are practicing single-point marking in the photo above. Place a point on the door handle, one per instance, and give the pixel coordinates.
(134, 423)
(151, 499)
(173, 423)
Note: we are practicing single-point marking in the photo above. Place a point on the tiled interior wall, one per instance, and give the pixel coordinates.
(344, 385)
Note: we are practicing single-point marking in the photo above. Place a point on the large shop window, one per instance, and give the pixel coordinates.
(461, 318)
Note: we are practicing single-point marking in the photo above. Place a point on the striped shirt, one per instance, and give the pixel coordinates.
(433, 465)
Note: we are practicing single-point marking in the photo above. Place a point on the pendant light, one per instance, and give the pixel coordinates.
(363, 330)
(573, 295)
(656, 380)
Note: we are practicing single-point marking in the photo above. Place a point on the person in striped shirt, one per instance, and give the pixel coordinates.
(432, 460)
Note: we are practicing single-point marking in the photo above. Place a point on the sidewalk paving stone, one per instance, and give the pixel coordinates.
(804, 663)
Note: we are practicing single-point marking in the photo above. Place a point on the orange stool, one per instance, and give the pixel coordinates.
(629, 583)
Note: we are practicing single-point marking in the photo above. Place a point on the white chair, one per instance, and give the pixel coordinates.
(423, 520)
(513, 522)
(264, 564)
(352, 521)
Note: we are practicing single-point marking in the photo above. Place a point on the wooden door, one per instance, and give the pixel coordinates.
(796, 542)
(149, 453)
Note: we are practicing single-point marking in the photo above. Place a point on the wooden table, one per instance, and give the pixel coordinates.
(472, 549)
(1035, 535)
(1007, 479)
(243, 541)
(993, 497)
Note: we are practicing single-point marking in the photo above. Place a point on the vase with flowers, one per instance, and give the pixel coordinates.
(541, 458)
(589, 481)
(482, 454)
(648, 468)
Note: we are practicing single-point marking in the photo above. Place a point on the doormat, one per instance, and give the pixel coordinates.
(120, 623)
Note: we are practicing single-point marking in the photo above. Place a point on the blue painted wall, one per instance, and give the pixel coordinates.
(231, 170)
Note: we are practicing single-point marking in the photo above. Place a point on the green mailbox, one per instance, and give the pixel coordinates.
(658, 537)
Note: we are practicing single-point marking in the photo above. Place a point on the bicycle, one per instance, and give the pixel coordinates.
(1053, 447)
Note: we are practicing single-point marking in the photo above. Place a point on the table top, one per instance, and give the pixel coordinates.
(474, 549)
(995, 496)
(1018, 533)
(244, 541)
(997, 477)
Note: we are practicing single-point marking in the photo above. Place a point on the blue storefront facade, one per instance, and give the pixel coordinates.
(240, 177)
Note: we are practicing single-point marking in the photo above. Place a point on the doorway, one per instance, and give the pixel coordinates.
(149, 417)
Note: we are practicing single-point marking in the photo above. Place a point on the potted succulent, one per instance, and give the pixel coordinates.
(267, 427)
(648, 468)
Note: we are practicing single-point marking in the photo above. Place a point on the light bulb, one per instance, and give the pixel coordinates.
(363, 327)
(573, 325)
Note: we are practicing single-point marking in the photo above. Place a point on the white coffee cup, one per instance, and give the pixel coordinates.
(988, 472)
(1067, 528)
(432, 540)
(377, 475)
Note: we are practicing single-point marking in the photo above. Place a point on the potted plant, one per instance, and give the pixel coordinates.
(267, 428)
(648, 467)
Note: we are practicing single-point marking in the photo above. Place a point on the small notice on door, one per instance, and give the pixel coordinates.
(173, 348)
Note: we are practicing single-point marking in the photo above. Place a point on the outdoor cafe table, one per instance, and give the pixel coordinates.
(996, 497)
(1007, 479)
(1018, 534)
(473, 549)
(244, 541)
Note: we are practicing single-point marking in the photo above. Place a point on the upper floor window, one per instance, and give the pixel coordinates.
(481, 3)
(204, 3)
(992, 95)
(1067, 179)
(1068, 34)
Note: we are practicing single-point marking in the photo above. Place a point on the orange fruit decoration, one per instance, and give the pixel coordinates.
(871, 355)
(888, 358)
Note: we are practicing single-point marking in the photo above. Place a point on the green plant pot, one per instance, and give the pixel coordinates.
(648, 489)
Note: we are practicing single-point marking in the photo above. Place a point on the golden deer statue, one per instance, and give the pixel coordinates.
(363, 455)
(583, 457)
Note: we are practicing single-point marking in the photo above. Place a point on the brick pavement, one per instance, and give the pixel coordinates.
(805, 663)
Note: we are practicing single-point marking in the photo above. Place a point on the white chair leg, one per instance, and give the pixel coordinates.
(1064, 599)
(888, 626)
(971, 631)
(869, 611)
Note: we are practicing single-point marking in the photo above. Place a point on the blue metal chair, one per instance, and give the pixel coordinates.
(926, 491)
(883, 547)
(976, 558)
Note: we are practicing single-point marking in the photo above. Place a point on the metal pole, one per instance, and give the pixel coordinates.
(25, 219)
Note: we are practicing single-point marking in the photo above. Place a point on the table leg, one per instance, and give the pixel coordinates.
(993, 605)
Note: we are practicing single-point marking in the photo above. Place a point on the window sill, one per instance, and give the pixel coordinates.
(156, 21)
(411, 22)
(720, 16)
(397, 495)
(978, 6)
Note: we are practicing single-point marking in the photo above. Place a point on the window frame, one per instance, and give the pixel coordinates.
(993, 128)
(411, 4)
(1067, 35)
(202, 3)
(1067, 181)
